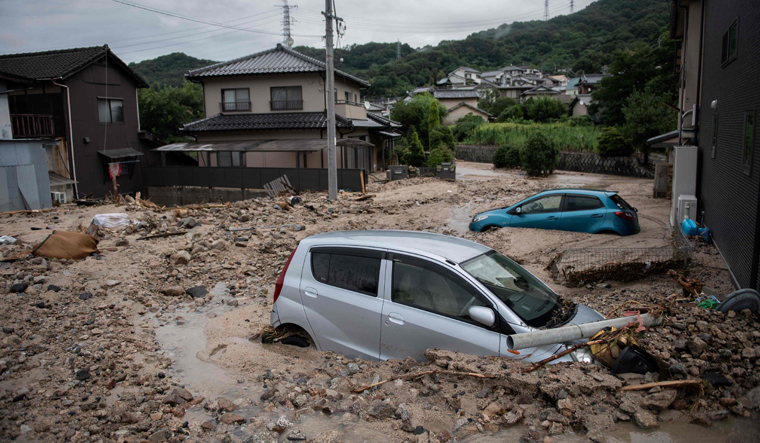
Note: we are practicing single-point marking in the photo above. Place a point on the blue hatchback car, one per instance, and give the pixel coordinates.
(580, 210)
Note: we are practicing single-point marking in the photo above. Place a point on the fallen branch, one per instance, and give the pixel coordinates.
(259, 227)
(665, 384)
(364, 197)
(614, 311)
(165, 234)
(419, 374)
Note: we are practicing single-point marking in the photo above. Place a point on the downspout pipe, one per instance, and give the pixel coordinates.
(573, 332)
(71, 138)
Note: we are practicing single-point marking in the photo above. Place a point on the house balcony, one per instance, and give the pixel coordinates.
(32, 126)
(286, 105)
(235, 106)
(349, 109)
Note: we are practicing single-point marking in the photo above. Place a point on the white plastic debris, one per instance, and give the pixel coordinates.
(111, 221)
(7, 240)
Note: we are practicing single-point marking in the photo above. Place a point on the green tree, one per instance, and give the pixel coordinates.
(543, 109)
(414, 115)
(416, 154)
(507, 157)
(539, 156)
(440, 155)
(466, 125)
(434, 120)
(442, 136)
(646, 67)
(500, 105)
(488, 98)
(163, 111)
(612, 143)
(646, 116)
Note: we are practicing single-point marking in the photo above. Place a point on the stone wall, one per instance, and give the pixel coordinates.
(591, 162)
(191, 195)
(474, 153)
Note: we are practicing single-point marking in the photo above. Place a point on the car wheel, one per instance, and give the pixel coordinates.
(741, 299)
(295, 340)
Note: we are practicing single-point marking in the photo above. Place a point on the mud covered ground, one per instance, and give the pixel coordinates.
(113, 348)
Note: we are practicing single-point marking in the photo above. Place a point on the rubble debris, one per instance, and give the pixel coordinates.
(66, 245)
(690, 286)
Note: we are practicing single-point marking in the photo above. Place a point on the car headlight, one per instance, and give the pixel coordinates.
(479, 218)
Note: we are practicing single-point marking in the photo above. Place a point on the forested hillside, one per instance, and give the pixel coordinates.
(579, 42)
(575, 43)
(168, 70)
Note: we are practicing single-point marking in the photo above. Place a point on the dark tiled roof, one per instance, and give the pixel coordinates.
(278, 60)
(455, 93)
(383, 121)
(469, 106)
(58, 64)
(253, 122)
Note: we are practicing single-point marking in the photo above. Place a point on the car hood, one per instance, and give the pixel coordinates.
(583, 315)
(494, 211)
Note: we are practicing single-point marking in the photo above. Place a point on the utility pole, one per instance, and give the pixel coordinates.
(546, 10)
(332, 163)
(572, 6)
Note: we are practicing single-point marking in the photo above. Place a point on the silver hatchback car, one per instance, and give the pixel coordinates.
(395, 294)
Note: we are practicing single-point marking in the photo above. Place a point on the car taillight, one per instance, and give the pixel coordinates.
(624, 216)
(281, 278)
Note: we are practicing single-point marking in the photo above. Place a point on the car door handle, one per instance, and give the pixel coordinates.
(311, 292)
(597, 216)
(395, 318)
(552, 218)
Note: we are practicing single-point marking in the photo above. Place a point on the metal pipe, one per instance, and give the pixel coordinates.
(571, 333)
(71, 139)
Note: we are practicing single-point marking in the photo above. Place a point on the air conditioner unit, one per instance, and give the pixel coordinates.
(684, 178)
(687, 208)
(59, 197)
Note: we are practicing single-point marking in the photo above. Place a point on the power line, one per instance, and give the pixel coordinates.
(181, 17)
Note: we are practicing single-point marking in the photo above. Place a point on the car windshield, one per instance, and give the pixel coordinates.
(530, 299)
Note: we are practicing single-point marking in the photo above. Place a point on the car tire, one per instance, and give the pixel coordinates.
(295, 340)
(741, 299)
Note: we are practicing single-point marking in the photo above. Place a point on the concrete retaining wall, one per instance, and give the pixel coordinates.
(591, 162)
(474, 153)
(188, 195)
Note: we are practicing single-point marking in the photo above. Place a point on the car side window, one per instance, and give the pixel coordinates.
(355, 273)
(582, 203)
(422, 286)
(550, 203)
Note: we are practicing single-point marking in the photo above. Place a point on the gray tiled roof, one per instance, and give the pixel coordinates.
(248, 122)
(590, 79)
(57, 64)
(455, 93)
(383, 120)
(469, 106)
(278, 60)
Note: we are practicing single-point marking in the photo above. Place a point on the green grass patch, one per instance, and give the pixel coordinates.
(565, 136)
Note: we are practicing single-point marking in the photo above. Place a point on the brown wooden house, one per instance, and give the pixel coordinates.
(85, 101)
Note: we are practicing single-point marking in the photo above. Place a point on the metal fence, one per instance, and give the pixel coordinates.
(247, 178)
(576, 267)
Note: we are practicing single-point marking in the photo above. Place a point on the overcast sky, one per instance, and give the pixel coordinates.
(136, 34)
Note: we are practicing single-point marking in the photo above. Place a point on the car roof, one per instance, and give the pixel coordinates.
(597, 192)
(423, 243)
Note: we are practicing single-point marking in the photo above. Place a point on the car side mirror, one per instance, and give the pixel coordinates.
(483, 315)
(515, 211)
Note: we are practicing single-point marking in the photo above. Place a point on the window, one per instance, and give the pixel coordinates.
(525, 295)
(236, 100)
(714, 136)
(582, 203)
(110, 110)
(730, 41)
(549, 203)
(347, 94)
(226, 159)
(286, 98)
(621, 203)
(749, 139)
(432, 288)
(353, 272)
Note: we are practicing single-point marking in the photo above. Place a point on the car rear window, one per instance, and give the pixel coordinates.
(620, 202)
(582, 203)
(359, 274)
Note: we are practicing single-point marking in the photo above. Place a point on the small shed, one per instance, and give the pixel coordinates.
(24, 181)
